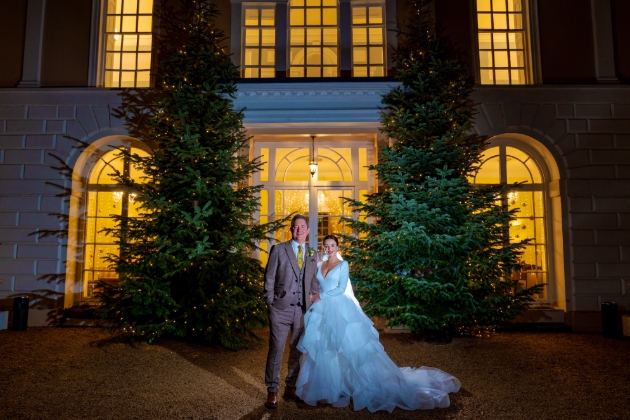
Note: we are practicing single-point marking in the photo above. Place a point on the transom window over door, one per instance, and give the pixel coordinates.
(313, 38)
(127, 43)
(503, 41)
(288, 186)
(506, 165)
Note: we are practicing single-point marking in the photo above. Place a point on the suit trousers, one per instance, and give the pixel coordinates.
(281, 323)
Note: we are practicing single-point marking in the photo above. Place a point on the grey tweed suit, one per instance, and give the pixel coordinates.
(287, 293)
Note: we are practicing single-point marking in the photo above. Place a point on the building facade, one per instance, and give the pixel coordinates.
(552, 92)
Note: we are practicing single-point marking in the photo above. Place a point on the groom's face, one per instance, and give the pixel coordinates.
(299, 231)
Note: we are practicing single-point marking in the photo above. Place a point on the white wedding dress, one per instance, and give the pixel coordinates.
(342, 358)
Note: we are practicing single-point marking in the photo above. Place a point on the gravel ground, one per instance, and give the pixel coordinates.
(67, 373)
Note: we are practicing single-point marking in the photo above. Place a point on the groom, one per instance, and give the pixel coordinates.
(289, 281)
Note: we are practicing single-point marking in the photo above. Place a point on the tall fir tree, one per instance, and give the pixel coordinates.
(437, 253)
(186, 266)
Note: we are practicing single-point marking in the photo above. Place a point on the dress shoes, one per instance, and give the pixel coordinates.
(289, 392)
(272, 400)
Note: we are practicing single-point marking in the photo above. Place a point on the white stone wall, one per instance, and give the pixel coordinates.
(586, 131)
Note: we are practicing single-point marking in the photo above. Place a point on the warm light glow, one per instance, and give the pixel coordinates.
(313, 39)
(368, 46)
(501, 39)
(128, 55)
(259, 42)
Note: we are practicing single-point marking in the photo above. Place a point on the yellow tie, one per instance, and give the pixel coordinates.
(300, 257)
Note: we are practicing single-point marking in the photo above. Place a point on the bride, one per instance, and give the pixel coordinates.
(342, 357)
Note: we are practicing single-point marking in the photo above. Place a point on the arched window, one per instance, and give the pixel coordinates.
(506, 165)
(105, 198)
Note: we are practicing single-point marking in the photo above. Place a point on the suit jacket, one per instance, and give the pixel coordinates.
(281, 272)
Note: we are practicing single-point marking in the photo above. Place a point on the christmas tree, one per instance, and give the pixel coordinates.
(185, 267)
(437, 253)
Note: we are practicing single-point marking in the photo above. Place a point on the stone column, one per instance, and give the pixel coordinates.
(32, 64)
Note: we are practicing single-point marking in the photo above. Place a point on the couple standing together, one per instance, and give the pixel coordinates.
(335, 354)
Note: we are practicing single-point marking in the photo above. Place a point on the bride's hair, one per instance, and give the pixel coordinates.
(333, 237)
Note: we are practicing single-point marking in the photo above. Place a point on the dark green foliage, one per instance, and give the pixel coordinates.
(186, 268)
(437, 252)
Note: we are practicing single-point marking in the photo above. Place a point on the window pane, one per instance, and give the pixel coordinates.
(498, 5)
(268, 37)
(111, 79)
(363, 170)
(517, 59)
(146, 7)
(127, 79)
(113, 24)
(251, 37)
(144, 61)
(489, 172)
(500, 21)
(502, 77)
(485, 58)
(251, 73)
(313, 3)
(376, 15)
(359, 36)
(128, 61)
(313, 72)
(264, 176)
(313, 17)
(330, 16)
(516, 20)
(296, 71)
(484, 20)
(376, 35)
(517, 171)
(359, 16)
(267, 72)
(483, 5)
(114, 42)
(297, 36)
(487, 77)
(359, 55)
(500, 41)
(485, 41)
(130, 42)
(268, 57)
(329, 3)
(514, 5)
(516, 41)
(329, 72)
(297, 56)
(360, 71)
(296, 3)
(114, 7)
(144, 23)
(313, 36)
(129, 23)
(376, 55)
(330, 55)
(518, 77)
(500, 59)
(251, 17)
(130, 7)
(296, 17)
(330, 36)
(267, 17)
(112, 61)
(144, 42)
(251, 57)
(313, 56)
(377, 71)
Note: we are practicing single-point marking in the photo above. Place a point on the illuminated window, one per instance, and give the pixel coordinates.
(105, 198)
(507, 165)
(259, 45)
(368, 41)
(128, 41)
(313, 38)
(502, 39)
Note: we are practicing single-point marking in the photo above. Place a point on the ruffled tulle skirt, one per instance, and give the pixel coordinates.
(342, 359)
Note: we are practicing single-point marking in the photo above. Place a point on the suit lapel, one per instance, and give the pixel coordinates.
(292, 258)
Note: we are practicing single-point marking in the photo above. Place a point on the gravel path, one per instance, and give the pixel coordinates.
(52, 373)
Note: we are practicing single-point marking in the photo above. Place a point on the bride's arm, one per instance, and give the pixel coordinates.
(341, 285)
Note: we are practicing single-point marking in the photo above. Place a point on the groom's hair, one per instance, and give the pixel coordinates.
(298, 216)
